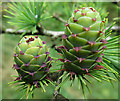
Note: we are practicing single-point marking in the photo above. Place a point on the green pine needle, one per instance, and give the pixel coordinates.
(41, 84)
(26, 15)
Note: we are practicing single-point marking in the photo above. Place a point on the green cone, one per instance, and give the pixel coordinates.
(83, 41)
(32, 60)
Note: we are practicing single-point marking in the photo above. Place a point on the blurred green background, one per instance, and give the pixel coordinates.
(102, 90)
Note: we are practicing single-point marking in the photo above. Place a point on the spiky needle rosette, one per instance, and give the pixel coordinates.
(83, 45)
(26, 15)
(32, 61)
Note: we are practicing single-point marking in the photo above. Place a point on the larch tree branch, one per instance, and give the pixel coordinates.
(45, 32)
(48, 32)
(59, 18)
